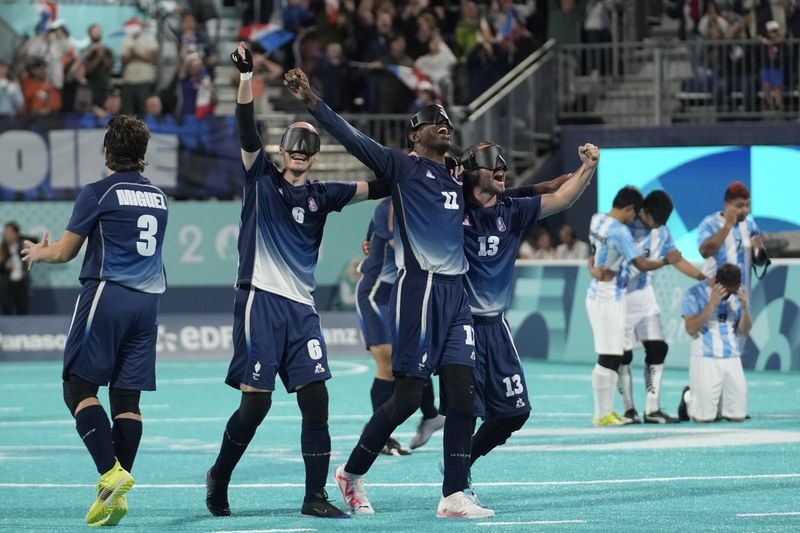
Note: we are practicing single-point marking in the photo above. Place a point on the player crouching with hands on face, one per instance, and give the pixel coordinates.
(716, 314)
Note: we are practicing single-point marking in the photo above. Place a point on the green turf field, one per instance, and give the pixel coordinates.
(557, 474)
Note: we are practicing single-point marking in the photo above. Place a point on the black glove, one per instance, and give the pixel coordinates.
(244, 65)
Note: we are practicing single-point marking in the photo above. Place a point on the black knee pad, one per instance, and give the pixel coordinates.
(254, 407)
(313, 402)
(458, 389)
(405, 399)
(627, 357)
(655, 352)
(76, 390)
(610, 362)
(124, 401)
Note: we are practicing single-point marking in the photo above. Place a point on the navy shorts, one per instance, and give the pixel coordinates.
(112, 337)
(372, 304)
(500, 385)
(432, 324)
(275, 335)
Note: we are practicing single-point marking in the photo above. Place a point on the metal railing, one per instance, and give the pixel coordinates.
(519, 111)
(660, 83)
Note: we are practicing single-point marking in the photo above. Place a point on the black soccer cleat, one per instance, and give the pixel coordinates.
(683, 411)
(392, 447)
(660, 417)
(321, 507)
(217, 496)
(633, 416)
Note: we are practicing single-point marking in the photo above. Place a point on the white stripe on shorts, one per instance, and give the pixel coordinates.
(95, 300)
(423, 324)
(247, 309)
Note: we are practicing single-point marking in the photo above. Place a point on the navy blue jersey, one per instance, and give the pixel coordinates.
(281, 229)
(379, 264)
(428, 201)
(124, 217)
(491, 240)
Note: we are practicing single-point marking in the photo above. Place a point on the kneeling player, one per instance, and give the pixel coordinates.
(716, 315)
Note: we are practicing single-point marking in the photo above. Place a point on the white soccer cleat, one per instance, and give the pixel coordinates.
(353, 493)
(460, 505)
(426, 428)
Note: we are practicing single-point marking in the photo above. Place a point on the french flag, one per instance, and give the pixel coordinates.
(510, 27)
(332, 11)
(411, 77)
(131, 27)
(271, 37)
(47, 13)
(204, 105)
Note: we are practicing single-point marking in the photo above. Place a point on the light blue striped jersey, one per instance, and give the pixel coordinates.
(124, 218)
(737, 248)
(719, 336)
(654, 244)
(612, 245)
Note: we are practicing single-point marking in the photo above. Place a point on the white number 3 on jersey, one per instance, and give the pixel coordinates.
(146, 245)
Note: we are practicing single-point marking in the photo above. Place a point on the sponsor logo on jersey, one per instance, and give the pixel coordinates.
(430, 175)
(467, 222)
(319, 369)
(520, 403)
(500, 223)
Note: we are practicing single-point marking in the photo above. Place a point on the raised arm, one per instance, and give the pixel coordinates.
(566, 195)
(245, 112)
(675, 258)
(711, 245)
(374, 155)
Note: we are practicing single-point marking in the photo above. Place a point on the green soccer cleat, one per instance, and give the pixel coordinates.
(120, 509)
(112, 486)
(610, 420)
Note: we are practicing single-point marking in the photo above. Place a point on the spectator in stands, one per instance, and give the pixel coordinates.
(112, 105)
(571, 247)
(564, 20)
(438, 65)
(14, 277)
(153, 110)
(139, 72)
(195, 41)
(296, 16)
(374, 43)
(419, 42)
(537, 246)
(486, 64)
(597, 30)
(98, 60)
(333, 78)
(40, 96)
(425, 97)
(195, 86)
(254, 11)
(773, 55)
(394, 96)
(467, 30)
(11, 101)
(76, 96)
(56, 49)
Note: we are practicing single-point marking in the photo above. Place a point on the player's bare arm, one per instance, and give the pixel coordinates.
(675, 258)
(694, 324)
(711, 245)
(61, 251)
(746, 322)
(569, 192)
(248, 134)
(551, 186)
(600, 273)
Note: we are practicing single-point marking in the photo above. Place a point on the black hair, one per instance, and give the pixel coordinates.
(628, 195)
(729, 275)
(126, 142)
(659, 205)
(13, 225)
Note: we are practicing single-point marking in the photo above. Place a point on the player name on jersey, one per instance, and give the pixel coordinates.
(141, 199)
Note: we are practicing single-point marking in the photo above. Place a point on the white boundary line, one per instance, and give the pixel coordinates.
(748, 515)
(411, 485)
(263, 530)
(532, 522)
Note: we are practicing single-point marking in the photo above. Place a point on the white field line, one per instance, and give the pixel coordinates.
(749, 515)
(172, 486)
(533, 522)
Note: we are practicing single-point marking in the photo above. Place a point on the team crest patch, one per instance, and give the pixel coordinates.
(312, 205)
(501, 225)
(319, 369)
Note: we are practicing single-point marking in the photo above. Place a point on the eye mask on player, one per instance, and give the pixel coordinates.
(300, 140)
(490, 157)
(431, 114)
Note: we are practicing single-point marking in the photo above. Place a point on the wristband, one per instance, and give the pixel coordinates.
(246, 75)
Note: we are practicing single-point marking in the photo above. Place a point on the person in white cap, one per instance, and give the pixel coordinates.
(772, 58)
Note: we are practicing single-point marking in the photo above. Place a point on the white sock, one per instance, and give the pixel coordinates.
(604, 382)
(652, 380)
(625, 386)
